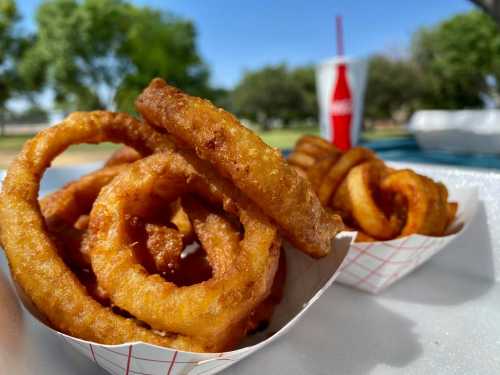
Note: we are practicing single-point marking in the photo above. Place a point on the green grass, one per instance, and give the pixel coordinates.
(285, 138)
(281, 138)
(384, 133)
(15, 142)
(12, 142)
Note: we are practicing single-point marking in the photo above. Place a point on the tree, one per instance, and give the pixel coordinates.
(68, 54)
(31, 115)
(393, 85)
(275, 92)
(457, 58)
(12, 45)
(159, 45)
(101, 53)
(305, 78)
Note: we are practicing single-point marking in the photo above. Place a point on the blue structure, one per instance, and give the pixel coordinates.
(407, 150)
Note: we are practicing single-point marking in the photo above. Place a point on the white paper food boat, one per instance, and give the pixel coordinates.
(307, 280)
(374, 266)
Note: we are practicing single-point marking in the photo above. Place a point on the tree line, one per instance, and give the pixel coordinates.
(96, 54)
(453, 65)
(93, 54)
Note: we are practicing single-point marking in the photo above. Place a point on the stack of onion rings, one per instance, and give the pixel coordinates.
(157, 246)
(237, 153)
(378, 201)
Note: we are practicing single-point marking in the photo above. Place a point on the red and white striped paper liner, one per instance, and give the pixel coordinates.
(307, 280)
(372, 267)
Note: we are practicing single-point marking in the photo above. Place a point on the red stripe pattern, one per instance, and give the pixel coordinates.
(372, 267)
(172, 362)
(124, 361)
(308, 279)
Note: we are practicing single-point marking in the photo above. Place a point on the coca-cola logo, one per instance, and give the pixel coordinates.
(341, 107)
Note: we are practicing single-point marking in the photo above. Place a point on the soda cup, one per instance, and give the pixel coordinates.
(340, 85)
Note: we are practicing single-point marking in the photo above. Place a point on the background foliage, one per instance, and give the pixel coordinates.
(100, 53)
(93, 54)
(276, 92)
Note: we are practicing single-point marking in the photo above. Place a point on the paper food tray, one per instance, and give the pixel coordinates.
(307, 280)
(374, 266)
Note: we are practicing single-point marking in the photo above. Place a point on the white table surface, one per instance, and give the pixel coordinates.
(443, 319)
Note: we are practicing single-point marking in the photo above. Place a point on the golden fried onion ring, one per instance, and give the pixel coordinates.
(216, 235)
(181, 221)
(260, 317)
(255, 168)
(65, 212)
(76, 198)
(165, 246)
(223, 302)
(33, 256)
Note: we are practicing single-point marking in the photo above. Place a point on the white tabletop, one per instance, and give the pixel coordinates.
(443, 318)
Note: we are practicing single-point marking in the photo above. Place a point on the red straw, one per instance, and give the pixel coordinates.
(340, 36)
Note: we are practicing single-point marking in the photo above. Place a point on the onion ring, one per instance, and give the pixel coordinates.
(216, 235)
(214, 232)
(261, 316)
(256, 169)
(165, 246)
(223, 302)
(33, 256)
(65, 212)
(74, 199)
(180, 220)
(195, 268)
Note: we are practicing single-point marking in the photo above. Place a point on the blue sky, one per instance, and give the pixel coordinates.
(239, 35)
